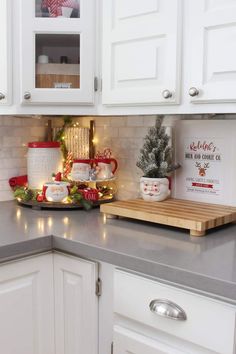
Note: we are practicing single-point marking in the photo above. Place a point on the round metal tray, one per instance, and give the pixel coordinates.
(59, 206)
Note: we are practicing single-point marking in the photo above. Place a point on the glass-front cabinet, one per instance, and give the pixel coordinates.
(57, 44)
(5, 53)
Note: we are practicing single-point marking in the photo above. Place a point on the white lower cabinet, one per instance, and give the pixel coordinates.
(48, 305)
(27, 306)
(76, 305)
(153, 318)
(127, 341)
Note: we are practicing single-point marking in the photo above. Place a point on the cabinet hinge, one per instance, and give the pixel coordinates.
(112, 347)
(99, 287)
(95, 83)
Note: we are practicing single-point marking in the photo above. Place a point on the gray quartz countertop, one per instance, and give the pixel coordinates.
(206, 264)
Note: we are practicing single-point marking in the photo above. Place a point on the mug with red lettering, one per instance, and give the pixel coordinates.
(106, 167)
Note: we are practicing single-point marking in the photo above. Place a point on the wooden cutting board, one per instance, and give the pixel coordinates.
(194, 216)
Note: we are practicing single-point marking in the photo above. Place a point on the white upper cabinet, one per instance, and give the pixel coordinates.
(212, 43)
(5, 54)
(141, 52)
(153, 56)
(57, 52)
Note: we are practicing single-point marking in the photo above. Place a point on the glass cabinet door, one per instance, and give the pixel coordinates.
(57, 63)
(5, 53)
(55, 8)
(57, 47)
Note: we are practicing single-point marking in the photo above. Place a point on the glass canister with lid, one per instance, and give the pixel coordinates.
(43, 159)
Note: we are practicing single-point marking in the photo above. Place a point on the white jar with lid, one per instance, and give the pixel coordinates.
(43, 159)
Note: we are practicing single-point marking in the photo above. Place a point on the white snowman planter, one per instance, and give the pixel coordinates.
(154, 189)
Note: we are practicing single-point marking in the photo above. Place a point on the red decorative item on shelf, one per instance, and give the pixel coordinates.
(40, 198)
(58, 177)
(20, 181)
(90, 194)
(44, 144)
(105, 154)
(68, 163)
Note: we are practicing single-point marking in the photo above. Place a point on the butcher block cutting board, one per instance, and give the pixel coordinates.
(195, 216)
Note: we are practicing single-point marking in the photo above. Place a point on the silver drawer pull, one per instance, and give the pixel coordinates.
(166, 308)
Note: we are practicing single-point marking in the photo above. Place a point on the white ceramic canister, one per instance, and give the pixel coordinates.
(43, 159)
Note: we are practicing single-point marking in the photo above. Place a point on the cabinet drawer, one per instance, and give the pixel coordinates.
(209, 323)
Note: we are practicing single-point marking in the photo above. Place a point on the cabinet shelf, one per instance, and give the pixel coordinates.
(50, 75)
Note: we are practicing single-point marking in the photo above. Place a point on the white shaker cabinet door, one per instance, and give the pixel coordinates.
(76, 306)
(26, 306)
(212, 50)
(141, 52)
(5, 52)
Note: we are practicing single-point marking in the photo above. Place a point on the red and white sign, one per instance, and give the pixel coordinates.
(205, 150)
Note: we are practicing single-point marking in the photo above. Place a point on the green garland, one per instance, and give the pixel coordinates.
(60, 135)
(25, 194)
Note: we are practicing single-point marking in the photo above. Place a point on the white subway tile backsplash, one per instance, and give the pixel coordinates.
(126, 146)
(5, 174)
(118, 121)
(136, 121)
(5, 195)
(123, 134)
(11, 141)
(15, 133)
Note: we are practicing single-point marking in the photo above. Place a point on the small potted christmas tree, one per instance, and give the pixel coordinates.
(156, 162)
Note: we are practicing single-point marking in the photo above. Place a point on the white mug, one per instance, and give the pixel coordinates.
(43, 59)
(105, 168)
(81, 170)
(55, 191)
(66, 11)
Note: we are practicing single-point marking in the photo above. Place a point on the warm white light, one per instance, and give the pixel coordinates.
(50, 222)
(40, 225)
(18, 214)
(66, 220)
(95, 141)
(104, 219)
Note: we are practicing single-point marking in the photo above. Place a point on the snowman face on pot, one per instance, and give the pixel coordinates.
(154, 189)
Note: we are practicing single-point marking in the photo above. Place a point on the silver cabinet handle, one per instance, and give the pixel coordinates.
(2, 96)
(166, 308)
(193, 91)
(166, 94)
(27, 95)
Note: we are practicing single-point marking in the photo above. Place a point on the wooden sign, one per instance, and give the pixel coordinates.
(206, 150)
